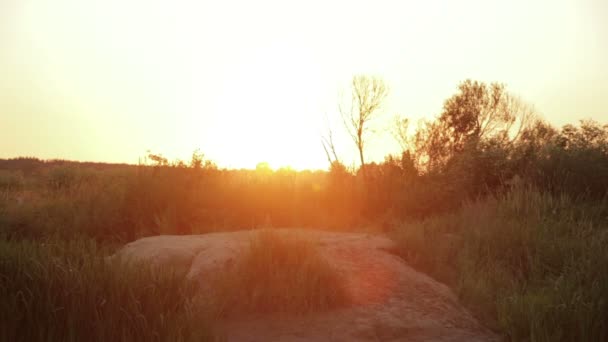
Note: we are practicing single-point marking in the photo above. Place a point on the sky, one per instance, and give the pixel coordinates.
(259, 81)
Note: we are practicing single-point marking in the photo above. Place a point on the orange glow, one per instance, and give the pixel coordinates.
(248, 82)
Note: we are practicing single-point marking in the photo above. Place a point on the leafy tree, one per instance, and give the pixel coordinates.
(478, 116)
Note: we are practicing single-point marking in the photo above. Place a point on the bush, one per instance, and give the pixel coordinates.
(279, 272)
(11, 180)
(93, 206)
(526, 262)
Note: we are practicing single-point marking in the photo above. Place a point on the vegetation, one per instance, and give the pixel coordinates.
(488, 198)
(528, 262)
(70, 291)
(367, 97)
(284, 273)
(58, 290)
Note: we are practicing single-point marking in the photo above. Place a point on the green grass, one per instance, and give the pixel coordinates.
(529, 264)
(65, 290)
(279, 272)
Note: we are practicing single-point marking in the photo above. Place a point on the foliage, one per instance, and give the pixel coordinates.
(523, 258)
(65, 290)
(527, 262)
(119, 202)
(284, 273)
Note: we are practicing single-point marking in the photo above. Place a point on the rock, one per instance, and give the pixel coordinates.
(390, 300)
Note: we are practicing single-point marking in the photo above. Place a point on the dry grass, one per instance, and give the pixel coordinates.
(69, 292)
(58, 290)
(279, 272)
(528, 263)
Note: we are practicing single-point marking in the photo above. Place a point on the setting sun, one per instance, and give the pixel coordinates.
(270, 109)
(323, 170)
(253, 82)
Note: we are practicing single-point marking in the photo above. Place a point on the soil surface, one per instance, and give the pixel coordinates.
(390, 300)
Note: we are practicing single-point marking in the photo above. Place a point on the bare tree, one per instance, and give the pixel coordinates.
(328, 144)
(368, 93)
(399, 130)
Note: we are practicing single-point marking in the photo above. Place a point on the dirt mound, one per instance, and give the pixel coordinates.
(389, 300)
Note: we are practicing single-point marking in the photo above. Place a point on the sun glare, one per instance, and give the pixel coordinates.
(246, 85)
(270, 109)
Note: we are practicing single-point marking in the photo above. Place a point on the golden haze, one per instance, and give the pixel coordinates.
(251, 81)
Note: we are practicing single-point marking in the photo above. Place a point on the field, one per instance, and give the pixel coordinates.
(526, 262)
(520, 236)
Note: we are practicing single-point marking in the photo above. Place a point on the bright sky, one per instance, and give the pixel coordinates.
(250, 81)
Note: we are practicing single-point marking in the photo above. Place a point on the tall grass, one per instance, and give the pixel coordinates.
(122, 203)
(528, 263)
(279, 272)
(66, 201)
(65, 290)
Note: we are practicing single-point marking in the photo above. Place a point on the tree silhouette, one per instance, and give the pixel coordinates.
(399, 130)
(368, 93)
(481, 112)
(329, 146)
(478, 115)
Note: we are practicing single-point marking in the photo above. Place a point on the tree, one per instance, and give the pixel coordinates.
(478, 115)
(329, 146)
(158, 159)
(198, 161)
(430, 145)
(368, 93)
(399, 130)
(481, 112)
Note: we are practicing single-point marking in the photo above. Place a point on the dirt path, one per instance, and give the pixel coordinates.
(390, 300)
